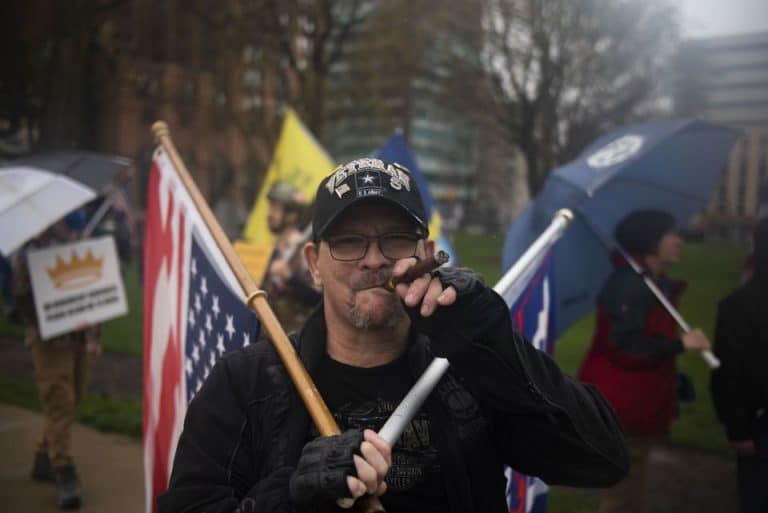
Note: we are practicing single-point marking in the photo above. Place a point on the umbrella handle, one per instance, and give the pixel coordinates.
(712, 360)
(96, 218)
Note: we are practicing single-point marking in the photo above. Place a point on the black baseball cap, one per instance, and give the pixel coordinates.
(366, 179)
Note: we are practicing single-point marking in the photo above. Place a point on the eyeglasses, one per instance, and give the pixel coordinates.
(351, 247)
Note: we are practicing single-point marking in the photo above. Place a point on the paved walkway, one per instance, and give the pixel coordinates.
(110, 468)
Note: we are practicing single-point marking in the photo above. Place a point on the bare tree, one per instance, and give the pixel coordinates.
(563, 71)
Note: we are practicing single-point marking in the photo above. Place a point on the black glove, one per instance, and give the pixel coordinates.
(479, 315)
(463, 279)
(322, 471)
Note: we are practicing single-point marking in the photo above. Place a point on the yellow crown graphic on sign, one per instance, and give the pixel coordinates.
(76, 273)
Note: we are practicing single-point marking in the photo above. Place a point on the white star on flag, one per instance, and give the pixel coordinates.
(208, 323)
(220, 344)
(215, 308)
(230, 328)
(204, 286)
(246, 339)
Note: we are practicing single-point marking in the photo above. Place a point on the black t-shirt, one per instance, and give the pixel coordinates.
(365, 398)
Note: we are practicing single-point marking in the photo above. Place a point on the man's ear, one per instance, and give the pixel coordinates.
(311, 254)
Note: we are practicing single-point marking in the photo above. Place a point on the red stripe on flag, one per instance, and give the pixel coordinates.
(163, 263)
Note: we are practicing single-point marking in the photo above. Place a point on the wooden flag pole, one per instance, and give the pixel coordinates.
(255, 297)
(257, 301)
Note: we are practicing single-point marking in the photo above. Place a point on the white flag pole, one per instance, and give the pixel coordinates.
(410, 405)
(520, 268)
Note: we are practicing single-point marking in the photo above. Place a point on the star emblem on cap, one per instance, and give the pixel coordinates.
(368, 179)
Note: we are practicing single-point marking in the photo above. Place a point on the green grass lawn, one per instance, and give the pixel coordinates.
(480, 252)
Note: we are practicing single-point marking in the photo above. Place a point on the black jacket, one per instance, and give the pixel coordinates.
(740, 385)
(246, 427)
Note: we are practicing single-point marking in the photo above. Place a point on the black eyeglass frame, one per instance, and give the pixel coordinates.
(330, 239)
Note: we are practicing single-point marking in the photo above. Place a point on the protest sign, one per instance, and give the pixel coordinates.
(76, 285)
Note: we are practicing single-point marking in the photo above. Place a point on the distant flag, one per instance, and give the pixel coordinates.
(396, 150)
(531, 305)
(192, 316)
(299, 160)
(533, 316)
(530, 299)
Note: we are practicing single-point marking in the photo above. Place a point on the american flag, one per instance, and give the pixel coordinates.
(192, 316)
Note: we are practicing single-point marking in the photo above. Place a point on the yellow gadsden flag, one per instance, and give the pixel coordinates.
(299, 160)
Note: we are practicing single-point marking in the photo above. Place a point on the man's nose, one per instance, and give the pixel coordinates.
(374, 258)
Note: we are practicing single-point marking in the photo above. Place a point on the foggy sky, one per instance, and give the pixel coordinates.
(704, 18)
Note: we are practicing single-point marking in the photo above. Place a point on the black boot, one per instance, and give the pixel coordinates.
(41, 469)
(68, 487)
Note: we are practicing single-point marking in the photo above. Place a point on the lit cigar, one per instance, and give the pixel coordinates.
(421, 268)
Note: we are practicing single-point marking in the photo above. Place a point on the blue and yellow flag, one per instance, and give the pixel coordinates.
(396, 150)
(298, 160)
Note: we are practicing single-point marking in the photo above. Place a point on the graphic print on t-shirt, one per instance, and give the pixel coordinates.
(412, 456)
(365, 398)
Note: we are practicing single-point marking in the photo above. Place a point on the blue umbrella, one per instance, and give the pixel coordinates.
(669, 165)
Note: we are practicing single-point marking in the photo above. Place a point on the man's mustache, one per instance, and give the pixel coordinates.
(372, 279)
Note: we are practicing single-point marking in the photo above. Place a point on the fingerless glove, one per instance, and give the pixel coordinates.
(322, 471)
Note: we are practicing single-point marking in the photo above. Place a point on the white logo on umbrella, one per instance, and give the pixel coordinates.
(616, 151)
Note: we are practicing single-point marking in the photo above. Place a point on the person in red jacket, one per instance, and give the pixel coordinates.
(632, 356)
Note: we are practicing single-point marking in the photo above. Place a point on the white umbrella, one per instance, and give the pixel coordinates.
(32, 199)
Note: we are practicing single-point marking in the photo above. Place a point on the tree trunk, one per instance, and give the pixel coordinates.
(63, 108)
